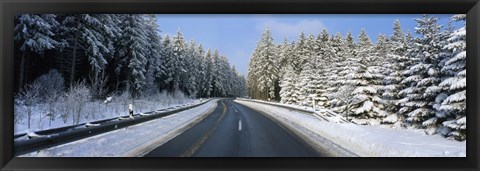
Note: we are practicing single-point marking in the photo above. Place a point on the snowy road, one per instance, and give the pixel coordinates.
(234, 130)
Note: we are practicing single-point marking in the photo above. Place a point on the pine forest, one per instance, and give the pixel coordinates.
(413, 80)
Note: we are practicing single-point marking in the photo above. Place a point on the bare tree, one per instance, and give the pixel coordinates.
(29, 95)
(98, 85)
(18, 112)
(52, 87)
(76, 99)
(98, 88)
(345, 95)
(125, 99)
(51, 101)
(63, 108)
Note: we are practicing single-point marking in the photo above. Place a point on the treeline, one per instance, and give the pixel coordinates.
(401, 79)
(119, 53)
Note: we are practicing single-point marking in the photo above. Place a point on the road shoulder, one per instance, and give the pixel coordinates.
(132, 141)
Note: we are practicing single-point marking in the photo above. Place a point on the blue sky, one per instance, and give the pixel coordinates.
(236, 35)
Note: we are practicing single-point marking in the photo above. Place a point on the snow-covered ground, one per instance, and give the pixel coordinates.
(319, 112)
(131, 141)
(368, 141)
(93, 110)
(281, 104)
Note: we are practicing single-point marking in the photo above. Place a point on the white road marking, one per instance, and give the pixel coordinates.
(236, 111)
(239, 125)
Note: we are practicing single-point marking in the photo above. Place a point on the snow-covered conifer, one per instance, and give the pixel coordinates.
(265, 67)
(89, 40)
(33, 33)
(288, 87)
(454, 104)
(306, 83)
(367, 81)
(397, 62)
(422, 78)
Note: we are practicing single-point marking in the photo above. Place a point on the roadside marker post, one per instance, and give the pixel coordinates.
(130, 109)
(313, 96)
(313, 101)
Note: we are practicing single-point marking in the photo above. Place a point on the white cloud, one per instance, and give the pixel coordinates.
(290, 30)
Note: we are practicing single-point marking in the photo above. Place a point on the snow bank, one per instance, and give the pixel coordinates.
(319, 112)
(131, 141)
(369, 141)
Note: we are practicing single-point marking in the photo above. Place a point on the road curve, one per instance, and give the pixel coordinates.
(234, 130)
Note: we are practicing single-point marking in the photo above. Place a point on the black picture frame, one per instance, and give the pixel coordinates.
(9, 8)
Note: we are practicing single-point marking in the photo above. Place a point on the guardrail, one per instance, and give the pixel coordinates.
(57, 136)
(325, 117)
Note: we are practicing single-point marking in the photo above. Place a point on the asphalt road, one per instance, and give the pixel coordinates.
(234, 130)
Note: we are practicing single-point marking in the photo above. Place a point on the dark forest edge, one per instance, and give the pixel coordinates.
(79, 58)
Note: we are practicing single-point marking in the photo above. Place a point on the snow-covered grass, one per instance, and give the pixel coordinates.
(113, 106)
(369, 141)
(282, 104)
(132, 141)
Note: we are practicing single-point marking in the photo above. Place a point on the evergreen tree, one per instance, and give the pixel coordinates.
(169, 63)
(178, 62)
(284, 53)
(210, 71)
(33, 34)
(288, 86)
(136, 55)
(116, 62)
(89, 40)
(155, 69)
(251, 76)
(454, 104)
(397, 62)
(192, 68)
(302, 53)
(217, 82)
(306, 83)
(423, 77)
(345, 62)
(265, 66)
(202, 72)
(325, 54)
(382, 46)
(367, 81)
